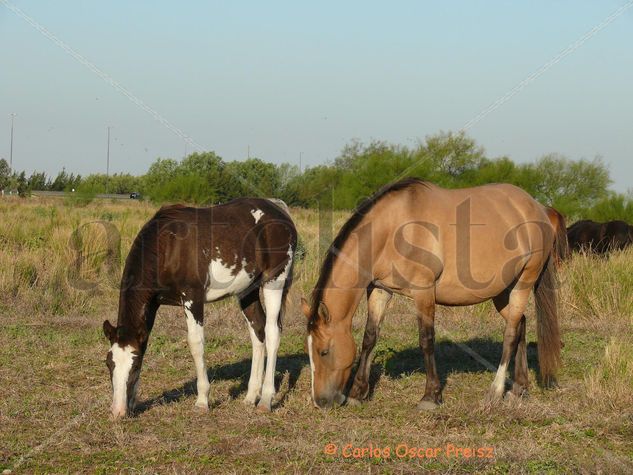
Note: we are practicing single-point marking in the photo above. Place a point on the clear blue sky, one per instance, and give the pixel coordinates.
(287, 77)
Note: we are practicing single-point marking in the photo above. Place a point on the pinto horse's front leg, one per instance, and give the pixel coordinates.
(194, 310)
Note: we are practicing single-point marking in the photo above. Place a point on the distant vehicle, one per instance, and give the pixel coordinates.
(135, 195)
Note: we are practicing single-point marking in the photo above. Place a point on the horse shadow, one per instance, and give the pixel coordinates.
(477, 355)
(240, 371)
(473, 356)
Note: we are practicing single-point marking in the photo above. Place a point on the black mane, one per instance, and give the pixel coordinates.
(347, 228)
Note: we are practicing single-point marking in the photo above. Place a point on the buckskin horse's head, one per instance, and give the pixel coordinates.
(124, 361)
(332, 350)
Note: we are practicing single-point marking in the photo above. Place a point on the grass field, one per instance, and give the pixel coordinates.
(54, 410)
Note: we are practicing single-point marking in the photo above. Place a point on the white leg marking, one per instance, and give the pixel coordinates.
(499, 382)
(311, 366)
(123, 360)
(195, 337)
(272, 300)
(257, 367)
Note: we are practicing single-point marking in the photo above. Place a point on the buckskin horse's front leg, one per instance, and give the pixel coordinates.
(377, 300)
(425, 304)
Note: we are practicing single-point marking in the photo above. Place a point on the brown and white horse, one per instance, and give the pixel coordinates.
(189, 256)
(436, 246)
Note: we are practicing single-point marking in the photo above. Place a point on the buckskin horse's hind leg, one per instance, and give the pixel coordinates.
(256, 319)
(194, 310)
(377, 300)
(425, 305)
(511, 306)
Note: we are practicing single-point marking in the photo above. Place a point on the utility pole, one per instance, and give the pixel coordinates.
(108, 161)
(11, 149)
(248, 152)
(300, 157)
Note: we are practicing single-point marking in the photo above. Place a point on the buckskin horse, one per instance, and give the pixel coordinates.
(187, 257)
(436, 246)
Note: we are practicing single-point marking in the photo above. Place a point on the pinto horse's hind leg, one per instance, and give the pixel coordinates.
(511, 307)
(273, 296)
(425, 304)
(377, 300)
(256, 319)
(194, 310)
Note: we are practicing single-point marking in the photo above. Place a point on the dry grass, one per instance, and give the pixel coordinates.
(54, 409)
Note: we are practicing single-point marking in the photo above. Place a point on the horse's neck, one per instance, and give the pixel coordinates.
(136, 313)
(347, 283)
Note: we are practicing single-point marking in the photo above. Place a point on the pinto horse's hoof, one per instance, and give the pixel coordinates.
(248, 401)
(263, 407)
(426, 405)
(202, 406)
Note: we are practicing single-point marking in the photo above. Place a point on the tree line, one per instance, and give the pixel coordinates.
(577, 188)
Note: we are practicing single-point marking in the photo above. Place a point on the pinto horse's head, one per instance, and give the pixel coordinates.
(332, 350)
(124, 361)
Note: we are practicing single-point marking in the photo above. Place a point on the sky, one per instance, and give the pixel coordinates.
(284, 79)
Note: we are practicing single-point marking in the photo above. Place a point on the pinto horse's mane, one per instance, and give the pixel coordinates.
(330, 257)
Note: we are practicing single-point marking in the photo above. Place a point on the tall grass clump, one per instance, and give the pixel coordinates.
(598, 289)
(60, 258)
(611, 381)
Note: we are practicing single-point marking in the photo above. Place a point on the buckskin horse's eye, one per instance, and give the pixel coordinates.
(324, 352)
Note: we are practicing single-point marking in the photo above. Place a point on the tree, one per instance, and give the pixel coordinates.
(5, 174)
(252, 177)
(37, 181)
(61, 181)
(23, 185)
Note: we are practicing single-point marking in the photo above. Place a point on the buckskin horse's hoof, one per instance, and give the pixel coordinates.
(426, 405)
(351, 401)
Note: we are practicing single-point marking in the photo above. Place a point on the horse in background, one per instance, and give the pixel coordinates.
(187, 257)
(599, 238)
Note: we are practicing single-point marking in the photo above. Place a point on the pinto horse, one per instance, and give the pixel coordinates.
(187, 257)
(436, 246)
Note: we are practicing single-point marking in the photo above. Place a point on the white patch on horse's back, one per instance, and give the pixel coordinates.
(223, 280)
(257, 214)
(123, 359)
(280, 281)
(286, 272)
(311, 366)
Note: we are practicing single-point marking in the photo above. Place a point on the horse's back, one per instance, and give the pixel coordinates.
(473, 241)
(222, 249)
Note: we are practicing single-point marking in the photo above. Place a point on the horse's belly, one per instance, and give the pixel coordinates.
(223, 281)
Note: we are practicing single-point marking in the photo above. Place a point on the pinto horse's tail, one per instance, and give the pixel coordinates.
(549, 343)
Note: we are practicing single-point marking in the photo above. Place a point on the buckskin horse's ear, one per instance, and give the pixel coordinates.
(324, 312)
(305, 307)
(109, 331)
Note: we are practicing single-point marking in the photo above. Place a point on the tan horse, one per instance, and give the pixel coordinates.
(436, 246)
